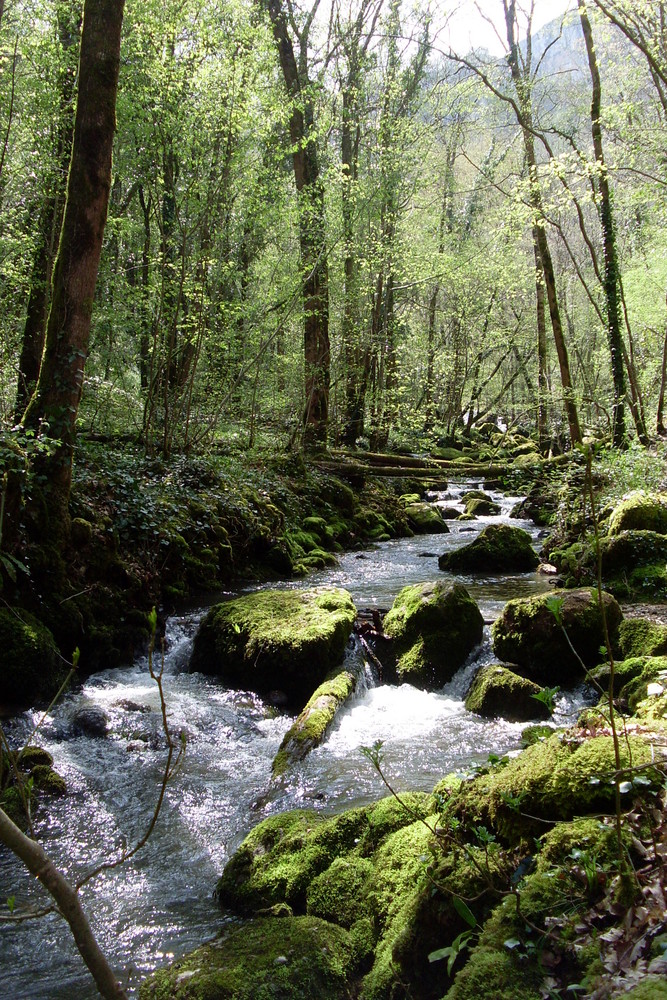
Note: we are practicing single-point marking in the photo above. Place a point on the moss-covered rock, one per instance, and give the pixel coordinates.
(340, 894)
(482, 507)
(651, 988)
(289, 958)
(273, 639)
(640, 511)
(498, 548)
(642, 637)
(425, 519)
(279, 859)
(530, 634)
(314, 722)
(556, 779)
(434, 627)
(497, 692)
(31, 666)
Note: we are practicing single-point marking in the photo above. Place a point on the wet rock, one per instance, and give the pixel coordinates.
(89, 720)
(530, 633)
(425, 519)
(435, 627)
(497, 692)
(498, 548)
(275, 637)
(482, 508)
(31, 666)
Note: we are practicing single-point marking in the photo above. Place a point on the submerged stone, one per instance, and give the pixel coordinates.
(435, 627)
(497, 692)
(284, 639)
(550, 650)
(498, 548)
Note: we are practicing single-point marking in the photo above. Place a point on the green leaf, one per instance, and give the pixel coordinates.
(464, 911)
(437, 956)
(11, 903)
(511, 944)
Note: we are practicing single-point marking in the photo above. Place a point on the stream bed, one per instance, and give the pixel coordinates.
(159, 905)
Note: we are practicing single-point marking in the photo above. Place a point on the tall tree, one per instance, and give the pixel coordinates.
(54, 406)
(611, 275)
(312, 225)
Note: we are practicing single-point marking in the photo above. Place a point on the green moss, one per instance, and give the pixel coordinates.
(280, 857)
(497, 692)
(425, 519)
(47, 780)
(32, 755)
(275, 639)
(641, 511)
(651, 988)
(491, 974)
(340, 894)
(535, 734)
(293, 958)
(555, 779)
(31, 666)
(641, 637)
(481, 508)
(314, 722)
(434, 628)
(497, 548)
(528, 634)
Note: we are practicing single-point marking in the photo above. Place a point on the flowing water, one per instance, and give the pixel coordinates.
(159, 904)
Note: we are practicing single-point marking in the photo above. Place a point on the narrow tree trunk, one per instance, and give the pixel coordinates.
(660, 426)
(66, 897)
(312, 234)
(55, 405)
(50, 218)
(608, 237)
(542, 383)
(522, 87)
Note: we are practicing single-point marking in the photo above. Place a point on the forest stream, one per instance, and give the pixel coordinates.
(160, 905)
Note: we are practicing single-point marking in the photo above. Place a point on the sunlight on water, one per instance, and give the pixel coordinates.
(160, 904)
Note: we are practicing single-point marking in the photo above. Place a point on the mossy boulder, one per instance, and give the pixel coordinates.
(271, 958)
(499, 548)
(561, 777)
(641, 637)
(272, 639)
(31, 665)
(425, 519)
(625, 551)
(529, 634)
(482, 507)
(341, 893)
(315, 720)
(539, 505)
(497, 692)
(640, 511)
(435, 627)
(281, 857)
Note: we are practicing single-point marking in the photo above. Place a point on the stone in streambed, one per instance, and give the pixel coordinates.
(540, 633)
(497, 692)
(434, 627)
(285, 639)
(499, 548)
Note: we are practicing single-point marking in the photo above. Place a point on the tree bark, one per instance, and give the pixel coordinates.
(50, 217)
(608, 237)
(312, 231)
(522, 87)
(67, 900)
(55, 405)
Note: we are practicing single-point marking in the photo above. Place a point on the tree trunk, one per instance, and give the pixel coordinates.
(50, 217)
(608, 238)
(55, 405)
(312, 233)
(660, 426)
(67, 900)
(522, 87)
(542, 383)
